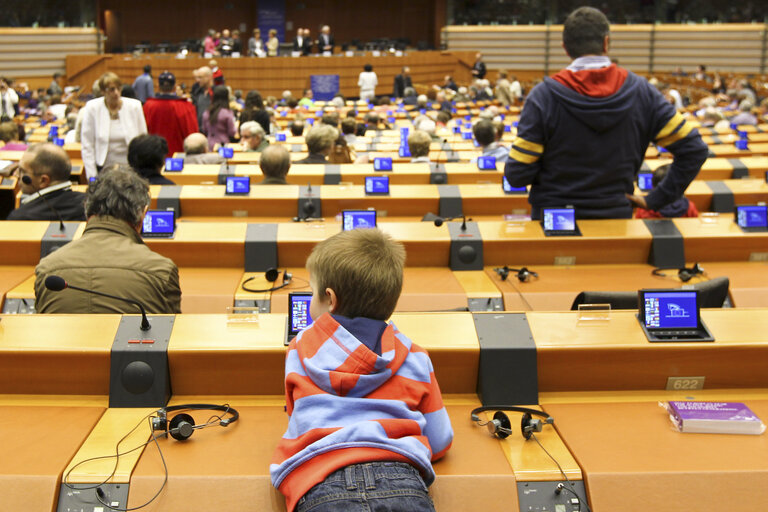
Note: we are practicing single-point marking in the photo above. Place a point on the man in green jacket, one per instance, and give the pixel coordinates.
(110, 256)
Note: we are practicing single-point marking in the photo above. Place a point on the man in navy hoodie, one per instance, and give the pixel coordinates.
(583, 132)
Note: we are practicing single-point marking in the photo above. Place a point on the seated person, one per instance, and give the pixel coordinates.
(485, 135)
(418, 144)
(348, 128)
(319, 141)
(382, 412)
(745, 115)
(110, 256)
(47, 192)
(146, 155)
(253, 137)
(680, 208)
(275, 163)
(9, 133)
(196, 151)
(297, 127)
(411, 98)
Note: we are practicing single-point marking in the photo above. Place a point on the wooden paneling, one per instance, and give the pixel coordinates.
(272, 76)
(739, 48)
(40, 52)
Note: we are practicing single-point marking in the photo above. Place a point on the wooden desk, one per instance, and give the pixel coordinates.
(201, 201)
(236, 461)
(614, 354)
(211, 354)
(634, 461)
(11, 276)
(613, 241)
(719, 238)
(748, 281)
(38, 442)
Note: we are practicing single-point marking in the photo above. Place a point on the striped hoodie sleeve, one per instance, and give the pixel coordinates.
(683, 141)
(523, 163)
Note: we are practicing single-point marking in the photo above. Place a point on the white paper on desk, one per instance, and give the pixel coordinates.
(295, 54)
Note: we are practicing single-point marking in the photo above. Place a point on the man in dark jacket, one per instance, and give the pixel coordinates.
(45, 170)
(110, 256)
(402, 81)
(583, 133)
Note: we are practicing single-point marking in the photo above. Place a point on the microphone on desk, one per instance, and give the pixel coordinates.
(28, 181)
(440, 220)
(57, 284)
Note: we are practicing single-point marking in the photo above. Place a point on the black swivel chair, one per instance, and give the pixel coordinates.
(712, 294)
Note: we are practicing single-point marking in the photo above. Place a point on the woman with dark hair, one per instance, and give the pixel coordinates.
(254, 110)
(146, 155)
(367, 82)
(218, 120)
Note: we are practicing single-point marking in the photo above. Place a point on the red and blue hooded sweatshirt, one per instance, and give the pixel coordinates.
(582, 137)
(349, 404)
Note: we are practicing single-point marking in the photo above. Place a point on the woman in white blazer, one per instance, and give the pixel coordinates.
(109, 124)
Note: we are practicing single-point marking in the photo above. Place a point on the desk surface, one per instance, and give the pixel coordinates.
(37, 443)
(634, 461)
(236, 461)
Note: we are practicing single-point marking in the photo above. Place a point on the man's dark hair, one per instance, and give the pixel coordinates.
(119, 193)
(147, 69)
(57, 75)
(348, 126)
(584, 31)
(146, 154)
(368, 67)
(484, 132)
(297, 128)
(292, 103)
(443, 117)
(51, 160)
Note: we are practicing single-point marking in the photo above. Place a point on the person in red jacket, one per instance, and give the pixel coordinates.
(170, 116)
(679, 208)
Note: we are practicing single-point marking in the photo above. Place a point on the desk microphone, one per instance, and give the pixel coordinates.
(436, 163)
(440, 220)
(56, 284)
(28, 181)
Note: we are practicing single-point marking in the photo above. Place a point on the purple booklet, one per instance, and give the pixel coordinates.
(714, 418)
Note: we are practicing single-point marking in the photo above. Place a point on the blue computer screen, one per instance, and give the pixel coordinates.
(174, 164)
(404, 151)
(670, 310)
(280, 137)
(353, 219)
(645, 181)
(509, 188)
(158, 222)
(486, 163)
(382, 164)
(238, 184)
(226, 152)
(299, 311)
(559, 219)
(377, 184)
(751, 216)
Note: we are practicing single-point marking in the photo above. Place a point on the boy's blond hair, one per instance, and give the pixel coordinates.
(364, 267)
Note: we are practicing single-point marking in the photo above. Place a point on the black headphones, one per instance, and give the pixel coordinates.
(182, 425)
(523, 274)
(271, 275)
(501, 427)
(685, 273)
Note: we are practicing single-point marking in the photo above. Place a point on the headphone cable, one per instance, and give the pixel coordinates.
(573, 489)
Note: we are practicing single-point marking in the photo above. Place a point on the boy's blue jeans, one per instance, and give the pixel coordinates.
(371, 486)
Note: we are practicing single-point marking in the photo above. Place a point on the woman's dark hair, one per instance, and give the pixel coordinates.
(220, 101)
(368, 67)
(146, 154)
(253, 100)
